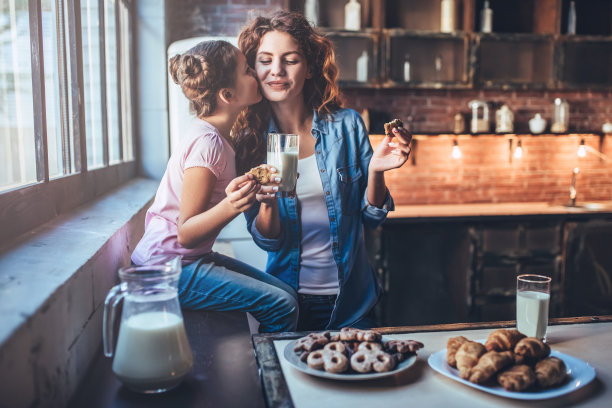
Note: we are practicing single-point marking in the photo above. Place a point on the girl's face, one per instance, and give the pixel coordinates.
(246, 87)
(281, 67)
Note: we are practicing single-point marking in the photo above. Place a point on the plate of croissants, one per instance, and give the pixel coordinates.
(351, 354)
(511, 365)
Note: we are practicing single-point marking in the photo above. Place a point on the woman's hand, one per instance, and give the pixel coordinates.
(267, 192)
(241, 192)
(390, 153)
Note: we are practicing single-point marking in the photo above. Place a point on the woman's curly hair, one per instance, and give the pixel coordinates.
(203, 71)
(321, 92)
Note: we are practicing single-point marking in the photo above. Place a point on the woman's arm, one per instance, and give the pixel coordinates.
(267, 221)
(195, 223)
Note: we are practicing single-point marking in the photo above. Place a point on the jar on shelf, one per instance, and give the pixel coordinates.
(504, 120)
(560, 123)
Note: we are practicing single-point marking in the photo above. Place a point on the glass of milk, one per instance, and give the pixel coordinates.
(532, 299)
(283, 149)
(152, 354)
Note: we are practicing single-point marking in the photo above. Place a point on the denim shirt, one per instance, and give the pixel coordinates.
(343, 153)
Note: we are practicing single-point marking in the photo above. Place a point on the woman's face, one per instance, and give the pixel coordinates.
(281, 67)
(246, 87)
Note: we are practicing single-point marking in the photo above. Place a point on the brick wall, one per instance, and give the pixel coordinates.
(487, 172)
(193, 18)
(433, 110)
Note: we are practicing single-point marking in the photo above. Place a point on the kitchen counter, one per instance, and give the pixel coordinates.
(586, 338)
(497, 210)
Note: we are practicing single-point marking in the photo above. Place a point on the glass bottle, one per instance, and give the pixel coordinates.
(560, 116)
(311, 11)
(447, 16)
(486, 18)
(352, 15)
(407, 68)
(571, 19)
(362, 67)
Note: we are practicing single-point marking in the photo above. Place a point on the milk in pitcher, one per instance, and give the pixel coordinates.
(152, 351)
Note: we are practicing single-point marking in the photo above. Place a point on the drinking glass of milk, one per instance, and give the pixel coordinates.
(282, 153)
(532, 299)
(152, 354)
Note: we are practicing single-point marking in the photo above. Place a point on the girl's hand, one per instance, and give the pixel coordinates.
(390, 153)
(241, 192)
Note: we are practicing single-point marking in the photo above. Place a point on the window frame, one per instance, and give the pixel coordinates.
(26, 207)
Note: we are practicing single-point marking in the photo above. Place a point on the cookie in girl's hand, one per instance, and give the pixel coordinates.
(261, 173)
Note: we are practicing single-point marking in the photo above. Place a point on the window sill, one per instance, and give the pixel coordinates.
(53, 282)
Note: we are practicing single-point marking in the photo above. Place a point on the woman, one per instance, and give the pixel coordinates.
(315, 239)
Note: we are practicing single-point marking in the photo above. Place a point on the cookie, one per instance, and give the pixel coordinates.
(313, 341)
(261, 173)
(389, 126)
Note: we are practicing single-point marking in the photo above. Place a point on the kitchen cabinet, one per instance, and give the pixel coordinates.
(464, 269)
(588, 285)
(528, 49)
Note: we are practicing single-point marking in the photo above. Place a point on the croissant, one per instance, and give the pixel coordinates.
(517, 378)
(489, 364)
(529, 350)
(452, 345)
(467, 357)
(550, 371)
(501, 340)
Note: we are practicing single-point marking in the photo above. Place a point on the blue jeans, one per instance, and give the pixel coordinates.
(217, 282)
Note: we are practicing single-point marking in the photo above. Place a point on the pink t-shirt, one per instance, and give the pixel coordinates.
(201, 146)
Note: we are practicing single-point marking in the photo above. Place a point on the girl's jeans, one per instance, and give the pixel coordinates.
(217, 282)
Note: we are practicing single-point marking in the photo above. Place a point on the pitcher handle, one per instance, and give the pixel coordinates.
(115, 295)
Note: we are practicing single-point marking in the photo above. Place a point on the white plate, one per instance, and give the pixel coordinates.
(579, 372)
(295, 361)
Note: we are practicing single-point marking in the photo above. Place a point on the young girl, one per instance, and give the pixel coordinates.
(199, 194)
(315, 240)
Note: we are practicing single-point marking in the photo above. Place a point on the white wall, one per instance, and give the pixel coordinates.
(152, 96)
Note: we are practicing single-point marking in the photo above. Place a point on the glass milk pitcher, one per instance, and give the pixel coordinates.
(152, 353)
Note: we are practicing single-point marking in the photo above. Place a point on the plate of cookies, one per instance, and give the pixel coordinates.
(511, 365)
(351, 354)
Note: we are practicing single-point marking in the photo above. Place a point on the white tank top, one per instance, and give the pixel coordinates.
(318, 270)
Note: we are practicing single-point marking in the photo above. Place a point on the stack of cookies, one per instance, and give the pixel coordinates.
(353, 351)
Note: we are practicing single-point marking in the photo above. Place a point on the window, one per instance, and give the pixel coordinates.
(65, 106)
(17, 164)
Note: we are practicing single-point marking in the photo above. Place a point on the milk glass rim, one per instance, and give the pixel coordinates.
(532, 278)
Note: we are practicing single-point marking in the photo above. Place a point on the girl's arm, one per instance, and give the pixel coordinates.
(195, 223)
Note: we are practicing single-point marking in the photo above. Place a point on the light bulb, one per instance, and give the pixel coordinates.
(518, 152)
(581, 149)
(456, 153)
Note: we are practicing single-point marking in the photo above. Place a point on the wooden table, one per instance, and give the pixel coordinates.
(587, 338)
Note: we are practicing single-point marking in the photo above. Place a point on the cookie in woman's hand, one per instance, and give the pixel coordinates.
(389, 126)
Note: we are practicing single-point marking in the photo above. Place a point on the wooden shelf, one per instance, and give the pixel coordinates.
(527, 49)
